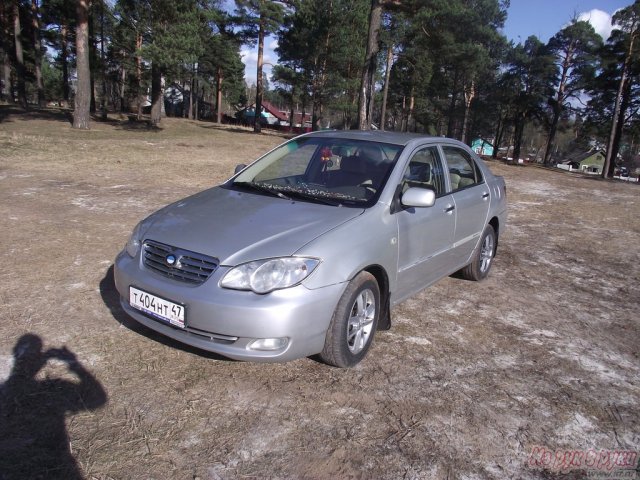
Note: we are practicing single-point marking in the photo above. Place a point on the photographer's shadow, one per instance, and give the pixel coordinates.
(34, 442)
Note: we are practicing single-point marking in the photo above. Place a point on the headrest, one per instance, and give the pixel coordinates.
(353, 164)
(371, 153)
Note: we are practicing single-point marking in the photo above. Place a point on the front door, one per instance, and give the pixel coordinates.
(425, 235)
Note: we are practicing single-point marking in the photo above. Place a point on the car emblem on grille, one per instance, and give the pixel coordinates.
(171, 260)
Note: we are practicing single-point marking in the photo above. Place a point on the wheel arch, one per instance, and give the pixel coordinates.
(381, 276)
(495, 223)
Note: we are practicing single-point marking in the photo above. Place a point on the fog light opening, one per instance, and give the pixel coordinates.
(269, 344)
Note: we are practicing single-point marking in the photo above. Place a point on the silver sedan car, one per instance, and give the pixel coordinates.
(306, 250)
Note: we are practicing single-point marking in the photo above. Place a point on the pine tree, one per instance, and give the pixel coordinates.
(5, 47)
(528, 81)
(260, 18)
(173, 40)
(58, 20)
(574, 48)
(81, 111)
(19, 55)
(320, 48)
(37, 47)
(629, 21)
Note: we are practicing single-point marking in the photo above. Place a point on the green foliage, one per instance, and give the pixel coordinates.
(608, 84)
(252, 15)
(173, 34)
(452, 71)
(52, 77)
(321, 48)
(447, 46)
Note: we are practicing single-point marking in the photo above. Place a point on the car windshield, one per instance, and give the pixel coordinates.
(334, 171)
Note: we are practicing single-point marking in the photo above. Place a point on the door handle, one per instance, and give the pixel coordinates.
(450, 208)
(485, 196)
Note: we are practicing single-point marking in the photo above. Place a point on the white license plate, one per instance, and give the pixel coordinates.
(158, 307)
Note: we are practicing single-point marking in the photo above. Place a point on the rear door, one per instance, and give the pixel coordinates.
(471, 197)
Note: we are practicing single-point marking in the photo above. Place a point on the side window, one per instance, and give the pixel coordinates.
(463, 171)
(424, 170)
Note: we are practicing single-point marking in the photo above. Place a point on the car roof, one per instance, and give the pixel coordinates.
(395, 138)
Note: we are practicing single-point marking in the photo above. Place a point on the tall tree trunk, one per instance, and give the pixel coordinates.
(191, 87)
(618, 112)
(20, 70)
(186, 111)
(64, 60)
(320, 80)
(156, 94)
(138, 76)
(196, 103)
(292, 113)
(37, 45)
(6, 90)
(614, 148)
(369, 67)
(257, 125)
(412, 106)
(553, 129)
(469, 95)
(452, 107)
(93, 57)
(219, 95)
(196, 89)
(5, 81)
(83, 87)
(123, 83)
(497, 139)
(517, 135)
(385, 94)
(92, 102)
(558, 102)
(103, 96)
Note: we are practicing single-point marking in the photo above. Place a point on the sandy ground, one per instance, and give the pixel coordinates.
(470, 379)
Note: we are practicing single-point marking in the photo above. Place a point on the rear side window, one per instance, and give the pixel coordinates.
(463, 171)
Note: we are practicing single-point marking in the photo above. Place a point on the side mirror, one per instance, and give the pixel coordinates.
(419, 197)
(239, 168)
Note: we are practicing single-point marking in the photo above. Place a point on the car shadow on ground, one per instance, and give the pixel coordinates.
(111, 299)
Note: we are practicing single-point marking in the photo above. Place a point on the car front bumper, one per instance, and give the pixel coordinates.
(227, 321)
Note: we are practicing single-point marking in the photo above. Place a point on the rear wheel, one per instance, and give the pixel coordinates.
(354, 323)
(482, 259)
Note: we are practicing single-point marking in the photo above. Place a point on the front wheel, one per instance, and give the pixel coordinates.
(354, 323)
(482, 259)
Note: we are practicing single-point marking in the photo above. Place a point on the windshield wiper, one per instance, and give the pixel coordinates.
(314, 198)
(259, 187)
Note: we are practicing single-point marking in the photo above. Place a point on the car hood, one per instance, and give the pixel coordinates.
(238, 227)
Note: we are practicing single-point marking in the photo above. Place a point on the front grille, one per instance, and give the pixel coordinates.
(189, 267)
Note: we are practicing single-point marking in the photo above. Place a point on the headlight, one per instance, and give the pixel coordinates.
(133, 244)
(264, 276)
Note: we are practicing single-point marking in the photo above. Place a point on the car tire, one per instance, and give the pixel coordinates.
(354, 323)
(482, 259)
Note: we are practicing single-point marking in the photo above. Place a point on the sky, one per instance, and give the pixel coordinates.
(543, 18)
